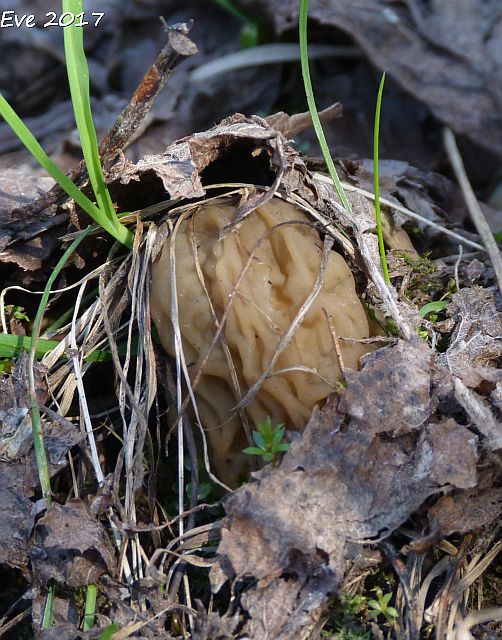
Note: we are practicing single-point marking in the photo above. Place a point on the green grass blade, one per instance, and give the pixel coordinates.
(78, 78)
(304, 58)
(36, 421)
(34, 147)
(108, 632)
(378, 214)
(90, 607)
(11, 346)
(49, 607)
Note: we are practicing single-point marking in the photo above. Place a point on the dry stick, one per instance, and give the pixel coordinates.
(336, 343)
(12, 623)
(84, 409)
(404, 210)
(178, 47)
(477, 215)
(169, 387)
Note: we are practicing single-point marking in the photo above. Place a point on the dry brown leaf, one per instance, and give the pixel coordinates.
(461, 512)
(392, 392)
(71, 547)
(476, 341)
(15, 510)
(447, 54)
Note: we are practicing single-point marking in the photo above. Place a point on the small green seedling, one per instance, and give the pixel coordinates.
(352, 605)
(108, 631)
(268, 441)
(380, 606)
(205, 489)
(433, 307)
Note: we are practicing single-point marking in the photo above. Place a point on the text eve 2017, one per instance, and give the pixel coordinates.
(11, 19)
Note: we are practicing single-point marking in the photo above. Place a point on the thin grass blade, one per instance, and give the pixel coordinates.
(90, 607)
(78, 78)
(304, 58)
(34, 147)
(378, 214)
(11, 346)
(36, 420)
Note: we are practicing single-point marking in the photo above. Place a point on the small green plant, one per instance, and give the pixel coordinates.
(268, 441)
(102, 212)
(433, 308)
(380, 606)
(90, 607)
(352, 604)
(348, 621)
(204, 491)
(16, 312)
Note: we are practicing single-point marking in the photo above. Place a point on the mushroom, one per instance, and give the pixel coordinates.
(267, 266)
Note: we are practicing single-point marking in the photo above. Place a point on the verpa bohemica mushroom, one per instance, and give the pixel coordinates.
(263, 271)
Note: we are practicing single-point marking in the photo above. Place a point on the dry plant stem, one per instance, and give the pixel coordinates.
(327, 227)
(169, 387)
(180, 366)
(386, 292)
(408, 591)
(38, 437)
(474, 618)
(178, 47)
(336, 344)
(477, 215)
(264, 54)
(291, 126)
(136, 409)
(130, 629)
(405, 211)
(12, 623)
(135, 427)
(84, 409)
(475, 569)
(180, 357)
(444, 598)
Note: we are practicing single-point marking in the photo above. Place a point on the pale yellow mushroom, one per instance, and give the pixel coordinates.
(281, 275)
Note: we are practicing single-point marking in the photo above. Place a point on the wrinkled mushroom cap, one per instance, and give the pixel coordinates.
(282, 267)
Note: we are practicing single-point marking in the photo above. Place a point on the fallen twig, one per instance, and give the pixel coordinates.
(472, 203)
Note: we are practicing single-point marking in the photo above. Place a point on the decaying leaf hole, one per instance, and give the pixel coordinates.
(248, 310)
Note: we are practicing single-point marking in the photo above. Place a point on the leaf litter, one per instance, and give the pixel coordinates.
(413, 440)
(363, 465)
